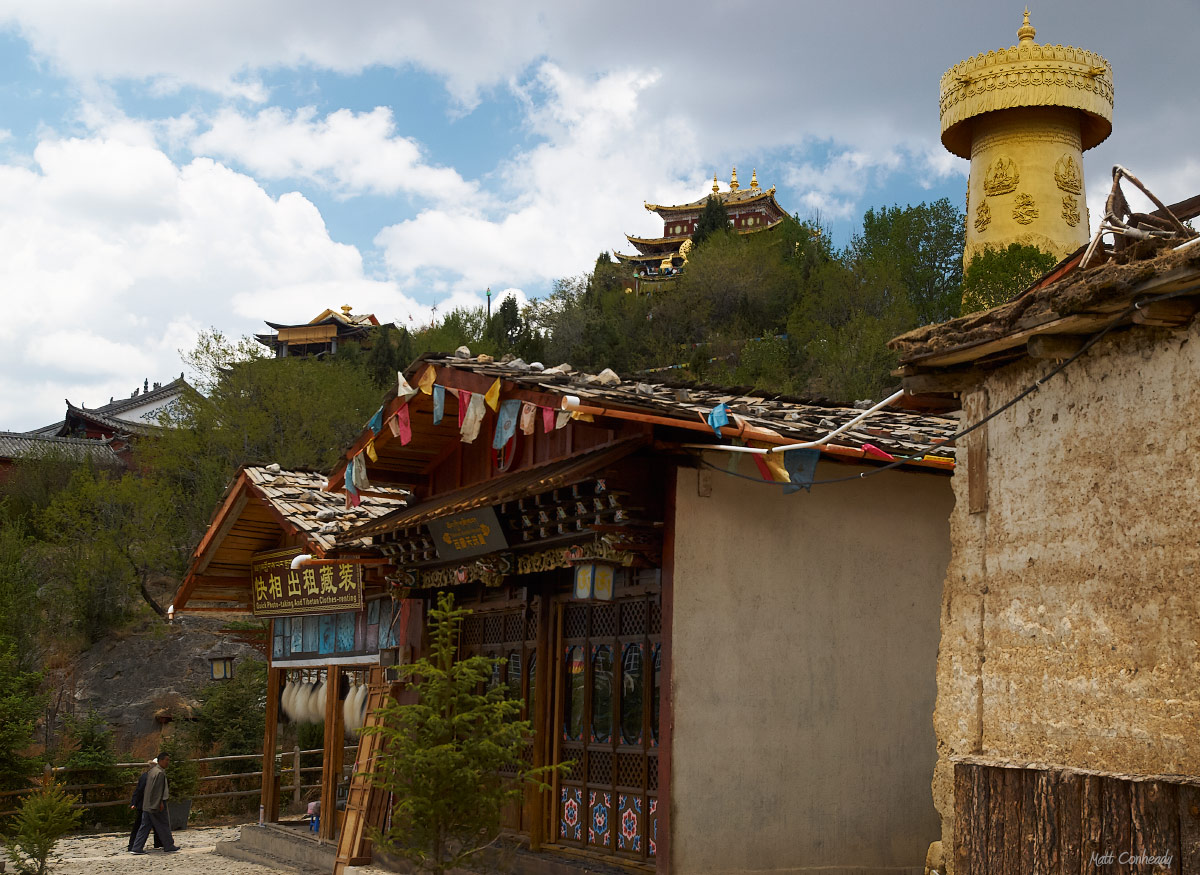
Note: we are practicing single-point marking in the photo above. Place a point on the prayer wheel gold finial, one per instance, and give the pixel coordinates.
(1026, 32)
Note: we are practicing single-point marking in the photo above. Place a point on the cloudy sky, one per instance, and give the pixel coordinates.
(170, 166)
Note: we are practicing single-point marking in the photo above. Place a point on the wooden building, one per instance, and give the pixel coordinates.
(329, 618)
(743, 678)
(18, 447)
(1067, 672)
(750, 210)
(321, 335)
(137, 415)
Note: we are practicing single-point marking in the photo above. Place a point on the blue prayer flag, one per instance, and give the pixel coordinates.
(376, 423)
(506, 422)
(439, 404)
(718, 417)
(801, 466)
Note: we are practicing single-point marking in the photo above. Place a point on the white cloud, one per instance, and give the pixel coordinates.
(569, 197)
(120, 256)
(349, 153)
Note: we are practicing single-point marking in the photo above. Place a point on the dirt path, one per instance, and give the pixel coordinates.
(105, 854)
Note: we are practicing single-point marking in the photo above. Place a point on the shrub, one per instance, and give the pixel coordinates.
(44, 818)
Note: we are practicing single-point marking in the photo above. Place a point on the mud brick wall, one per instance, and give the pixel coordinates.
(1071, 608)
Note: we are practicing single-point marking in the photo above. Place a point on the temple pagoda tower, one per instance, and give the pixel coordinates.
(1024, 116)
(750, 210)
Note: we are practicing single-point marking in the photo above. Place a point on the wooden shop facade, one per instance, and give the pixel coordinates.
(328, 619)
(667, 616)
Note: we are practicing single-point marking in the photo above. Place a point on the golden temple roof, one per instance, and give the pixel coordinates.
(736, 196)
(1025, 75)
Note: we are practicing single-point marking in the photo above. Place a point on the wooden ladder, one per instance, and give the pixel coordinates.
(364, 802)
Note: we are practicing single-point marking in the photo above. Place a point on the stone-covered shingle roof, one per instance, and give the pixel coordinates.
(15, 445)
(298, 497)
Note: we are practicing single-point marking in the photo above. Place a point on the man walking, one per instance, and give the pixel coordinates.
(154, 809)
(135, 803)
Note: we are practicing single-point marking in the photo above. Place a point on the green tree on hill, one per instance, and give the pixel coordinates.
(996, 275)
(713, 219)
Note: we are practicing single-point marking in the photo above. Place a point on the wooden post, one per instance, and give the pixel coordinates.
(975, 408)
(331, 763)
(541, 733)
(666, 729)
(296, 775)
(270, 798)
(556, 644)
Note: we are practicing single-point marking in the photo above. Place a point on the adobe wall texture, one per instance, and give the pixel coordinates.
(1071, 613)
(804, 651)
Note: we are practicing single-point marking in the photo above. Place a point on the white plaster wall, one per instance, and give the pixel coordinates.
(804, 650)
(1071, 612)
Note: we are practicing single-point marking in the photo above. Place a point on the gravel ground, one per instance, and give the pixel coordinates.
(105, 854)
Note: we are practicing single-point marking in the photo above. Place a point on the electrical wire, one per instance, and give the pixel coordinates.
(1029, 390)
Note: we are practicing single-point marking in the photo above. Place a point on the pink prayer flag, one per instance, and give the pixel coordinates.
(547, 419)
(464, 400)
(402, 425)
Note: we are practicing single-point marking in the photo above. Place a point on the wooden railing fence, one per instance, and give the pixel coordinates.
(291, 778)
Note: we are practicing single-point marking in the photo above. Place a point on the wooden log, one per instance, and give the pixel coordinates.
(1172, 313)
(970, 819)
(1155, 827)
(1070, 822)
(997, 840)
(1054, 346)
(1115, 826)
(1091, 814)
(928, 382)
(1011, 810)
(1189, 829)
(1045, 834)
(1028, 822)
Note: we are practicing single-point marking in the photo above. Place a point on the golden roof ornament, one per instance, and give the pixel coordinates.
(754, 179)
(1026, 33)
(716, 188)
(346, 309)
(733, 183)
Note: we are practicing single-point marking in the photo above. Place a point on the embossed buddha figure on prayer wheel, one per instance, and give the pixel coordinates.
(1024, 117)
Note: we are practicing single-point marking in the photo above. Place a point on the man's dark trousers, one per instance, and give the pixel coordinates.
(159, 823)
(136, 804)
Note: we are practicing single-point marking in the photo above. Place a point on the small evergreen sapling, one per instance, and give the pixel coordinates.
(444, 755)
(44, 818)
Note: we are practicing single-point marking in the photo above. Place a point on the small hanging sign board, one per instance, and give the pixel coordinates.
(278, 590)
(468, 534)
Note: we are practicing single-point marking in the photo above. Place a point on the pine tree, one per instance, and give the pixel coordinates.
(444, 754)
(713, 219)
(44, 818)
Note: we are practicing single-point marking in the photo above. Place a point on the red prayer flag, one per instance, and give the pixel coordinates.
(464, 400)
(547, 419)
(403, 424)
(876, 453)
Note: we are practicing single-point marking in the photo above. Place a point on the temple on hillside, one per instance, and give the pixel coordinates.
(321, 335)
(750, 210)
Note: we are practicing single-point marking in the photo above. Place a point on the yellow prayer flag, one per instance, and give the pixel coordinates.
(492, 396)
(774, 464)
(371, 454)
(426, 382)
(582, 417)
